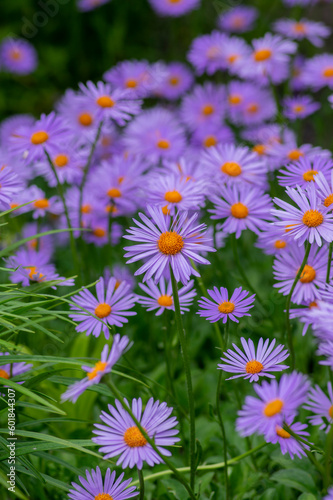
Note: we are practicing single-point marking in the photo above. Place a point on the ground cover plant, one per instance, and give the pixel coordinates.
(166, 211)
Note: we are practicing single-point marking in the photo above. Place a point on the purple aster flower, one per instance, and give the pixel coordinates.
(243, 208)
(174, 8)
(249, 104)
(117, 104)
(303, 29)
(44, 243)
(68, 162)
(288, 443)
(17, 56)
(277, 402)
(177, 80)
(297, 70)
(11, 125)
(131, 75)
(122, 274)
(272, 239)
(283, 153)
(101, 368)
(37, 203)
(10, 186)
(310, 221)
(309, 286)
(324, 189)
(206, 53)
(111, 307)
(120, 435)
(322, 407)
(238, 19)
(269, 60)
(233, 164)
(80, 115)
(251, 364)
(299, 107)
(212, 134)
(10, 370)
(320, 318)
(164, 242)
(29, 142)
(155, 134)
(303, 314)
(223, 308)
(93, 487)
(161, 298)
(326, 349)
(99, 231)
(304, 171)
(87, 5)
(235, 52)
(318, 72)
(206, 104)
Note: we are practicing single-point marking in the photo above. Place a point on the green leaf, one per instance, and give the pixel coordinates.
(176, 488)
(295, 478)
(307, 496)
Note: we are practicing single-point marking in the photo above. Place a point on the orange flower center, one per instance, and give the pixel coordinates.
(61, 160)
(210, 141)
(165, 301)
(103, 496)
(330, 411)
(170, 243)
(252, 108)
(133, 438)
(114, 193)
(329, 200)
(299, 28)
(312, 218)
(273, 407)
(239, 210)
(39, 137)
(298, 108)
(253, 366)
(174, 80)
(262, 55)
(86, 209)
(163, 144)
(99, 367)
(166, 210)
(15, 54)
(313, 304)
(232, 58)
(309, 175)
(131, 83)
(295, 154)
(280, 244)
(42, 203)
(85, 119)
(260, 149)
(102, 310)
(99, 232)
(105, 101)
(328, 72)
(282, 433)
(208, 109)
(308, 274)
(231, 168)
(226, 307)
(173, 196)
(4, 374)
(234, 99)
(213, 52)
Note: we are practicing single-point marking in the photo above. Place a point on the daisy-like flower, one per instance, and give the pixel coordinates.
(252, 364)
(111, 307)
(288, 443)
(232, 164)
(101, 368)
(155, 134)
(318, 72)
(37, 203)
(10, 186)
(68, 163)
(212, 134)
(249, 104)
(272, 239)
(117, 104)
(99, 232)
(206, 104)
(161, 297)
(304, 171)
(238, 19)
(131, 75)
(298, 107)
(87, 5)
(223, 308)
(44, 243)
(121, 273)
(93, 487)
(322, 407)
(310, 221)
(303, 29)
(17, 56)
(324, 188)
(164, 242)
(80, 115)
(120, 435)
(288, 151)
(206, 53)
(276, 403)
(11, 125)
(310, 285)
(235, 52)
(9, 370)
(243, 208)
(326, 349)
(174, 8)
(177, 79)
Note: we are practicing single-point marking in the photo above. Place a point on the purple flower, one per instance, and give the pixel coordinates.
(303, 172)
(272, 239)
(174, 8)
(324, 189)
(326, 349)
(210, 135)
(93, 486)
(206, 104)
(281, 154)
(303, 29)
(68, 163)
(206, 53)
(87, 5)
(235, 52)
(37, 203)
(251, 364)
(299, 107)
(177, 79)
(101, 368)
(120, 435)
(161, 297)
(277, 402)
(121, 273)
(10, 186)
(45, 243)
(242, 207)
(223, 308)
(310, 221)
(164, 242)
(99, 231)
(10, 370)
(318, 72)
(131, 75)
(238, 19)
(17, 56)
(11, 125)
(322, 407)
(80, 114)
(249, 104)
(288, 443)
(111, 307)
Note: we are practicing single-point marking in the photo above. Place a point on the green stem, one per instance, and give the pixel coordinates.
(183, 345)
(309, 454)
(142, 485)
(172, 468)
(288, 328)
(329, 262)
(225, 453)
(328, 457)
(204, 468)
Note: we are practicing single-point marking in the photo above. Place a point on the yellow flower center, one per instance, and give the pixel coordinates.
(165, 301)
(312, 218)
(252, 108)
(298, 108)
(166, 210)
(232, 58)
(102, 310)
(234, 99)
(174, 80)
(133, 438)
(210, 141)
(308, 274)
(99, 232)
(163, 144)
(39, 137)
(170, 243)
(282, 433)
(4, 374)
(42, 203)
(309, 175)
(295, 154)
(280, 244)
(330, 411)
(86, 209)
(273, 407)
(173, 196)
(105, 101)
(260, 149)
(231, 168)
(99, 367)
(213, 52)
(208, 109)
(175, 1)
(329, 200)
(253, 366)
(313, 304)
(237, 22)
(299, 28)
(114, 193)
(328, 72)
(103, 496)
(226, 307)
(131, 83)
(262, 55)
(15, 54)
(85, 119)
(34, 274)
(61, 160)
(239, 210)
